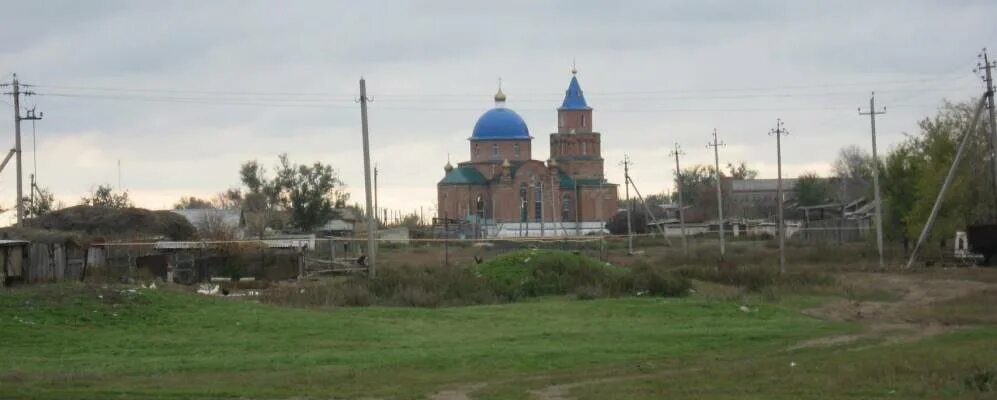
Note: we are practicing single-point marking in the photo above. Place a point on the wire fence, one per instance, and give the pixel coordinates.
(290, 259)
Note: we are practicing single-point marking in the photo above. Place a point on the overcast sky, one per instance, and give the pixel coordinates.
(183, 92)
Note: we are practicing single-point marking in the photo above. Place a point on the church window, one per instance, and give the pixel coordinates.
(476, 149)
(515, 150)
(522, 203)
(481, 207)
(584, 148)
(495, 152)
(583, 120)
(538, 203)
(566, 214)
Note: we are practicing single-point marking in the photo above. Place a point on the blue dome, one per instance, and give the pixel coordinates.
(500, 123)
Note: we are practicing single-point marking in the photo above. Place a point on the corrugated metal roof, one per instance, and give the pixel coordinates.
(761, 185)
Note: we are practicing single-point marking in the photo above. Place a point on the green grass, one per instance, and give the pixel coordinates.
(935, 368)
(73, 341)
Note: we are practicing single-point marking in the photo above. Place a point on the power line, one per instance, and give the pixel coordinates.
(524, 95)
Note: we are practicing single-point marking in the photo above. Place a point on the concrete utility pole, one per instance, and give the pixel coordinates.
(677, 153)
(371, 228)
(948, 180)
(779, 132)
(16, 92)
(716, 145)
(875, 176)
(375, 194)
(626, 178)
(988, 66)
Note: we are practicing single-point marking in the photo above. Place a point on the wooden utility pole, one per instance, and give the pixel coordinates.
(16, 92)
(371, 228)
(875, 177)
(779, 132)
(626, 178)
(716, 145)
(677, 153)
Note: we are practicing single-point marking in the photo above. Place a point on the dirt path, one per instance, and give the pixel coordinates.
(892, 321)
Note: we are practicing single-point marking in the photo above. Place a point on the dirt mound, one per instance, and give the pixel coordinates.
(115, 222)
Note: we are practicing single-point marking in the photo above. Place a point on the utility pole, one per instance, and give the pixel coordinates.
(626, 176)
(16, 92)
(875, 176)
(779, 132)
(371, 256)
(677, 153)
(716, 145)
(375, 193)
(987, 66)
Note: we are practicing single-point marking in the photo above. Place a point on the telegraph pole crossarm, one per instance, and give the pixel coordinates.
(779, 132)
(875, 176)
(716, 145)
(677, 153)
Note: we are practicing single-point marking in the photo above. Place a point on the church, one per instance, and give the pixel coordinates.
(503, 192)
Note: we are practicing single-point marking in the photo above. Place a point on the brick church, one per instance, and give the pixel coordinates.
(504, 192)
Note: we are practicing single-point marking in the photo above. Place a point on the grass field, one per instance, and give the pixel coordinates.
(89, 341)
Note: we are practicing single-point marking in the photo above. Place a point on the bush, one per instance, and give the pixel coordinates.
(530, 273)
(509, 277)
(658, 281)
(589, 292)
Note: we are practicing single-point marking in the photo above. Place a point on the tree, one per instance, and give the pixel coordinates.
(741, 171)
(618, 224)
(901, 172)
(305, 194)
(230, 199)
(104, 197)
(970, 197)
(192, 203)
(697, 184)
(853, 163)
(313, 192)
(811, 189)
(43, 203)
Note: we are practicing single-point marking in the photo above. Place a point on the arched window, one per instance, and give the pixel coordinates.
(515, 150)
(480, 203)
(538, 202)
(495, 150)
(522, 203)
(583, 120)
(584, 148)
(476, 149)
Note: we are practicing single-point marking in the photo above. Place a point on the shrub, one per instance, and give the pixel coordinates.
(982, 380)
(658, 281)
(530, 273)
(589, 292)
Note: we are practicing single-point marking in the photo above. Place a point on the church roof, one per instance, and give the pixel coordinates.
(574, 99)
(464, 175)
(500, 123)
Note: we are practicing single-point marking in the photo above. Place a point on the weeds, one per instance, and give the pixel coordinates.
(510, 277)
